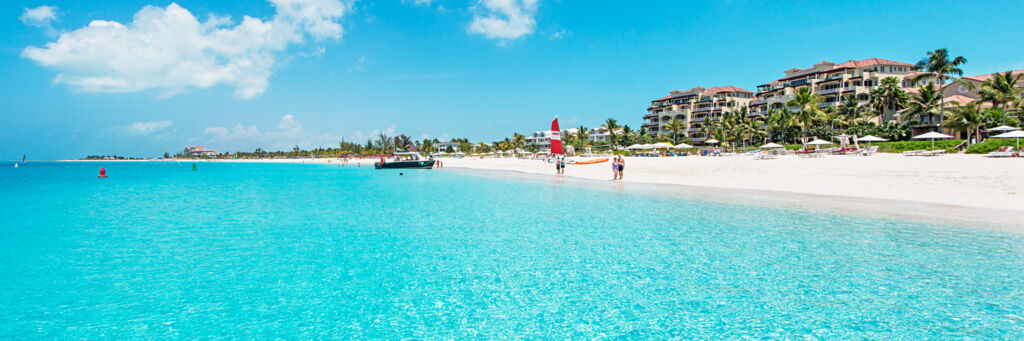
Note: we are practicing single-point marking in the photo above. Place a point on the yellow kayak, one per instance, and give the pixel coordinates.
(590, 162)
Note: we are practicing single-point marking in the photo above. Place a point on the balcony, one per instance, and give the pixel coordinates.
(702, 110)
(649, 125)
(835, 76)
(759, 102)
(798, 83)
(652, 115)
(830, 91)
(757, 113)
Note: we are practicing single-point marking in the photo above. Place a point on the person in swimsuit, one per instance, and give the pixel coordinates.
(622, 166)
(615, 168)
(558, 166)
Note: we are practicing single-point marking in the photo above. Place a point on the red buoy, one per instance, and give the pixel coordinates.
(103, 173)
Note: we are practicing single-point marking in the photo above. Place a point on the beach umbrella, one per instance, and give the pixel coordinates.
(682, 146)
(711, 141)
(634, 147)
(661, 145)
(818, 142)
(871, 138)
(1013, 134)
(932, 136)
(772, 145)
(1003, 128)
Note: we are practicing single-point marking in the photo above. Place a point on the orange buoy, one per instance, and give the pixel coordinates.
(103, 173)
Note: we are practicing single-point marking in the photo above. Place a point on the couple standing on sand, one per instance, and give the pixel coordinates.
(618, 164)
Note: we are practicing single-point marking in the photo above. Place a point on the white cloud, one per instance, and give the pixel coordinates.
(559, 35)
(360, 137)
(169, 50)
(504, 19)
(289, 133)
(358, 65)
(42, 16)
(143, 128)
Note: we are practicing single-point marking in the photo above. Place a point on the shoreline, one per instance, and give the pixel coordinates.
(988, 218)
(953, 189)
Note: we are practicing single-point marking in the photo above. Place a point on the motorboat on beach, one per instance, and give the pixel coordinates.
(404, 160)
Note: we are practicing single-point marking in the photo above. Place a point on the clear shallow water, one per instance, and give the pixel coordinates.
(316, 251)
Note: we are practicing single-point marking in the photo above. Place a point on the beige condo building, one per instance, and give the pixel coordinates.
(833, 82)
(695, 107)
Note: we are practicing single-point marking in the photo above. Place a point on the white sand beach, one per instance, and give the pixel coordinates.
(961, 180)
(957, 187)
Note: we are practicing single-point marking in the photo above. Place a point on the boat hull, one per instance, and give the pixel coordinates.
(423, 164)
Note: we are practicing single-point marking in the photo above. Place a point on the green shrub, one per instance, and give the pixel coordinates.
(991, 145)
(902, 146)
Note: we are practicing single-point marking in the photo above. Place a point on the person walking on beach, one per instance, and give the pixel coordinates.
(561, 163)
(622, 165)
(558, 166)
(615, 168)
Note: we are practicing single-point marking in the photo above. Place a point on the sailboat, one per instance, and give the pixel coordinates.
(556, 138)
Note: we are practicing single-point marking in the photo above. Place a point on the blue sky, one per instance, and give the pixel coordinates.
(311, 72)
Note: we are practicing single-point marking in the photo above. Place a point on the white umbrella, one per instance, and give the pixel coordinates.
(772, 145)
(932, 136)
(682, 146)
(818, 142)
(1013, 134)
(871, 138)
(711, 141)
(635, 147)
(1003, 128)
(661, 145)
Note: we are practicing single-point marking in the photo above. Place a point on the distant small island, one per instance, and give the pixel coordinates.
(110, 157)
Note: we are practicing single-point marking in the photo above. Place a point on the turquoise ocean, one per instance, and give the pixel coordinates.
(292, 251)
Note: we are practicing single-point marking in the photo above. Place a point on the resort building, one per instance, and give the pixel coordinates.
(952, 90)
(601, 134)
(541, 139)
(199, 151)
(833, 82)
(695, 107)
(445, 146)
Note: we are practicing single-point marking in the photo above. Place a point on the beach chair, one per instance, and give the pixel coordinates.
(866, 152)
(914, 152)
(1004, 151)
(936, 152)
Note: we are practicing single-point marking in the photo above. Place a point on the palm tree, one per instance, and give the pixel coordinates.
(889, 96)
(583, 135)
(611, 124)
(517, 141)
(809, 104)
(937, 64)
(1001, 89)
(850, 110)
(925, 103)
(965, 118)
(675, 126)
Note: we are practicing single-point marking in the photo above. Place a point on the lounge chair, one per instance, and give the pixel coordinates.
(936, 152)
(1004, 151)
(914, 152)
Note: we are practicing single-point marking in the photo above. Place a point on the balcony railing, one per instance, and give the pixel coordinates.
(759, 102)
(830, 91)
(835, 76)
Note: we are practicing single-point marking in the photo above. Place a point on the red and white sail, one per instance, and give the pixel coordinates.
(556, 137)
